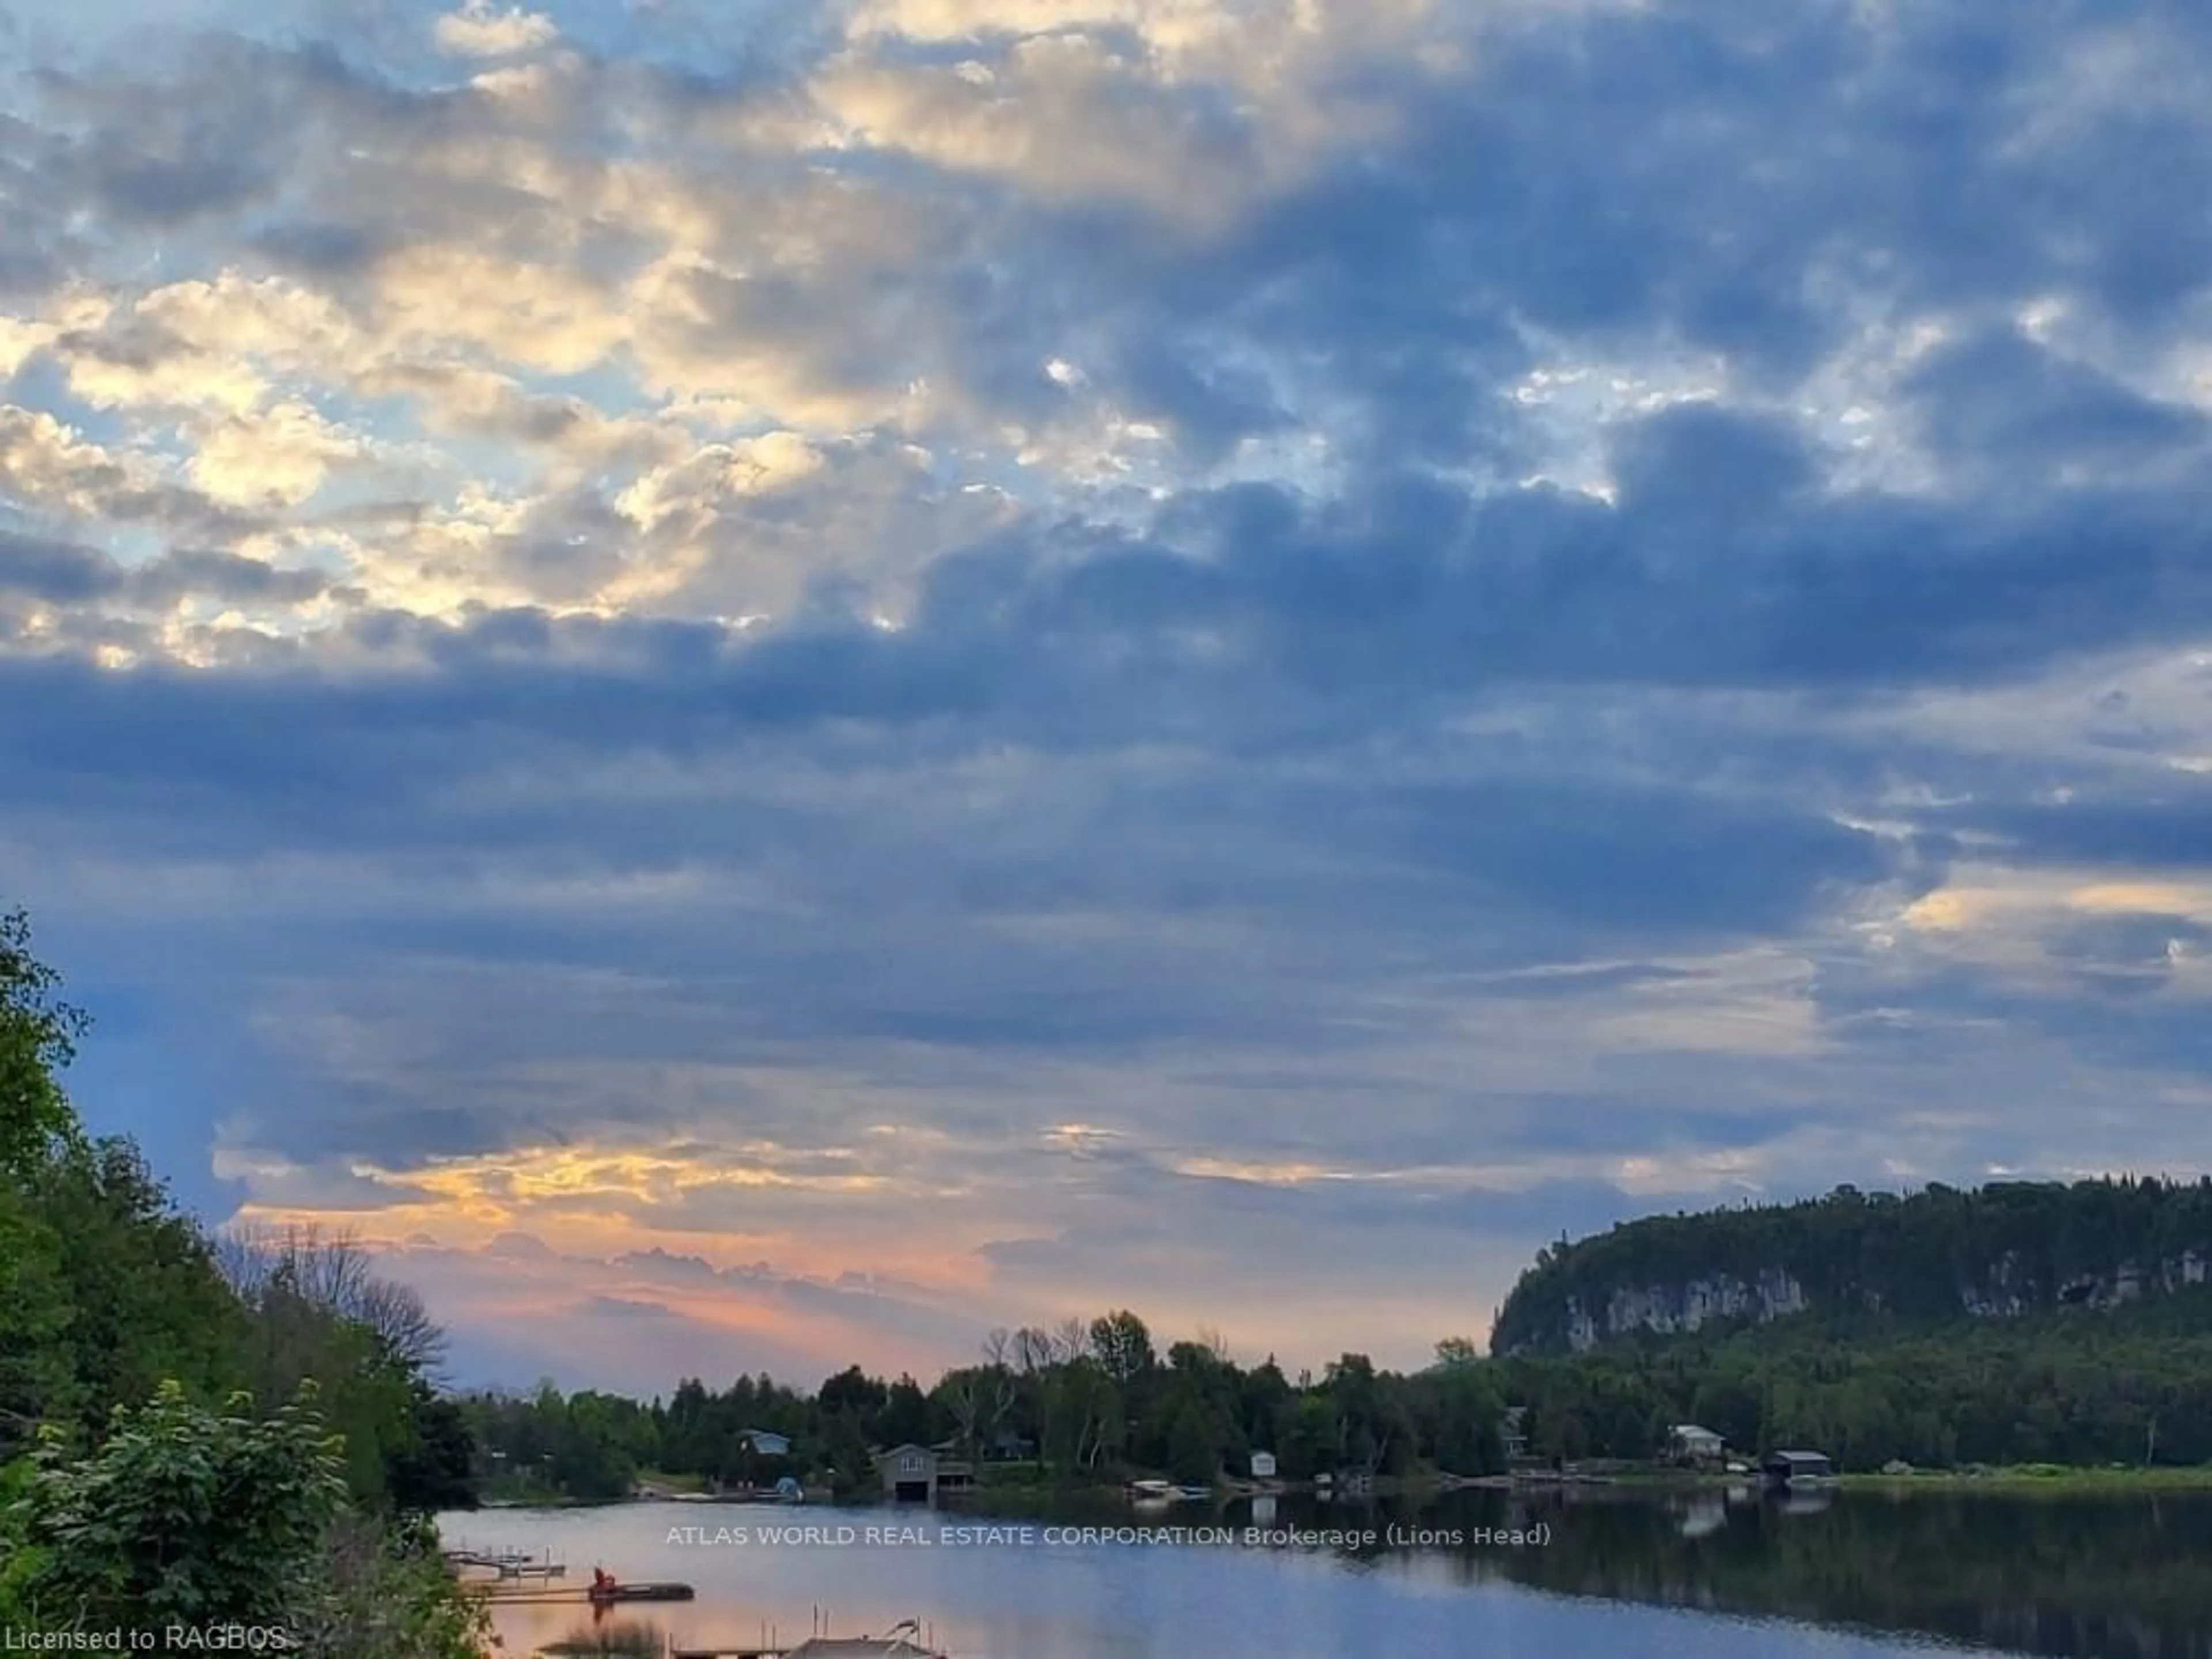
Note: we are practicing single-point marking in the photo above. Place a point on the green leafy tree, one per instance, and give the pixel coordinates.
(133, 1286)
(144, 1502)
(384, 1593)
(36, 1374)
(38, 1039)
(431, 1466)
(1121, 1347)
(182, 1515)
(1194, 1443)
(1456, 1353)
(906, 1415)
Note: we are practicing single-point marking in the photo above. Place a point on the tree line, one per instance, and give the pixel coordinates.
(1093, 1403)
(1085, 1402)
(2126, 1386)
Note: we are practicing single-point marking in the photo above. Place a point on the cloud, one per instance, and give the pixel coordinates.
(480, 30)
(1253, 654)
(63, 572)
(643, 1321)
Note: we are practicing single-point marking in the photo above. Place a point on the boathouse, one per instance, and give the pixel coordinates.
(909, 1474)
(1785, 1466)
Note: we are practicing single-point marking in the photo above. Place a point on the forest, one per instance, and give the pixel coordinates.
(1088, 1405)
(1886, 1365)
(2017, 1323)
(2124, 1385)
(1924, 1257)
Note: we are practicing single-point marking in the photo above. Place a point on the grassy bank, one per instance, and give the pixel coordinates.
(519, 1492)
(2029, 1479)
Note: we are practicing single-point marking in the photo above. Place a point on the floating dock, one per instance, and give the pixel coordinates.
(576, 1596)
(902, 1641)
(649, 1591)
(819, 1647)
(506, 1564)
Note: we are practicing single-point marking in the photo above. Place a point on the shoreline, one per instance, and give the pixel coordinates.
(2010, 1480)
(2032, 1479)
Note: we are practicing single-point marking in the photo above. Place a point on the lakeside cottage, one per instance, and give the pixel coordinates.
(1694, 1444)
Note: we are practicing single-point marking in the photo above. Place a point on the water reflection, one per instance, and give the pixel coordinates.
(603, 1638)
(1623, 1573)
(2082, 1577)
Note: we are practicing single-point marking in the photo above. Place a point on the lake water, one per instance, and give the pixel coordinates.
(1619, 1576)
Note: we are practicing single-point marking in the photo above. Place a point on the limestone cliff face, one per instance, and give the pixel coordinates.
(1673, 1308)
(2000, 1251)
(2005, 1289)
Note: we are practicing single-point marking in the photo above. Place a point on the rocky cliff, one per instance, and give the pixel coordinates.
(1940, 1252)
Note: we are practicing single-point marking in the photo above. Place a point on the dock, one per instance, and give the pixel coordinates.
(819, 1647)
(902, 1641)
(516, 1564)
(497, 1594)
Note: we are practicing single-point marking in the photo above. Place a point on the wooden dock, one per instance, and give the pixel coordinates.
(530, 1595)
(817, 1647)
(506, 1564)
(903, 1641)
(495, 1594)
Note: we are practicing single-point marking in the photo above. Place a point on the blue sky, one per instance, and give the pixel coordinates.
(769, 684)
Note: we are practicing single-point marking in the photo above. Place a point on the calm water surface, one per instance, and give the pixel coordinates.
(1623, 1577)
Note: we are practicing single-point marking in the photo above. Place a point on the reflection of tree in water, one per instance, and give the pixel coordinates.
(619, 1638)
(2117, 1578)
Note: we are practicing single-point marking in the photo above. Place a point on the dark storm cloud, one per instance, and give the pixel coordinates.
(64, 573)
(2000, 404)
(1719, 176)
(1331, 639)
(2127, 827)
(54, 571)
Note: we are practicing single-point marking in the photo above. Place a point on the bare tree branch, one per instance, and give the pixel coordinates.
(335, 1273)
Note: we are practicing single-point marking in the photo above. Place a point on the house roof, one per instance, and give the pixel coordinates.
(1690, 1429)
(1799, 1457)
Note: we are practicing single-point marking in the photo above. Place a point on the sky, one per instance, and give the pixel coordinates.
(763, 685)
